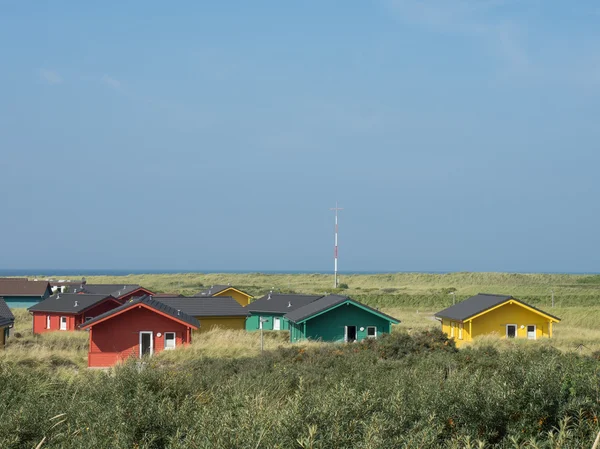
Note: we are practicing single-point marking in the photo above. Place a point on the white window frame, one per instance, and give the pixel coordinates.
(452, 326)
(276, 323)
(534, 331)
(460, 331)
(60, 323)
(375, 334)
(48, 322)
(151, 342)
(516, 331)
(174, 340)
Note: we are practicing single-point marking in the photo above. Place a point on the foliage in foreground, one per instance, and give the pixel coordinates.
(399, 391)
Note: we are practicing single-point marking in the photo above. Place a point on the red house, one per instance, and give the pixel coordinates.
(65, 312)
(140, 327)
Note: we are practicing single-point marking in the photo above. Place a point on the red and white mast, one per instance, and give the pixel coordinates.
(335, 248)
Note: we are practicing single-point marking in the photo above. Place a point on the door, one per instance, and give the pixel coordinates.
(276, 323)
(350, 333)
(63, 323)
(511, 330)
(531, 332)
(146, 343)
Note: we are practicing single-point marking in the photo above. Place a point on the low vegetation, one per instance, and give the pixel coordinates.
(411, 389)
(400, 391)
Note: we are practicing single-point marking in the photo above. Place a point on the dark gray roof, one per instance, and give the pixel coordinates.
(280, 303)
(209, 306)
(153, 304)
(325, 303)
(215, 290)
(71, 303)
(6, 316)
(116, 290)
(477, 304)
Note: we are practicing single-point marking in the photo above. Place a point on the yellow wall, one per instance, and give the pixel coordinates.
(241, 298)
(226, 322)
(495, 321)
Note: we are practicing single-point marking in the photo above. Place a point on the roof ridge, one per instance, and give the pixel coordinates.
(495, 294)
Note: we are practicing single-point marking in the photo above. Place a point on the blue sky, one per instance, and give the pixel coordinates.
(457, 135)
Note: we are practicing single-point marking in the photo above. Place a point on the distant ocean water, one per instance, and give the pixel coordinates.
(121, 272)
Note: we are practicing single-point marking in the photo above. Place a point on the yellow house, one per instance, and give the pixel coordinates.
(7, 320)
(241, 297)
(223, 312)
(486, 314)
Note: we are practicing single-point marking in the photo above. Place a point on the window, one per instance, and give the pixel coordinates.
(460, 331)
(47, 321)
(169, 340)
(531, 332)
(371, 332)
(511, 331)
(452, 324)
(63, 323)
(276, 324)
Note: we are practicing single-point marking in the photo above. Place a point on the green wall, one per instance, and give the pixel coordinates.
(252, 323)
(23, 302)
(330, 326)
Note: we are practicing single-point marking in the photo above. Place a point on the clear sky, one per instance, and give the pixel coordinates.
(457, 135)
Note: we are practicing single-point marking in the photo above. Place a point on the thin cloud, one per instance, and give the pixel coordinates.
(50, 76)
(111, 82)
(475, 18)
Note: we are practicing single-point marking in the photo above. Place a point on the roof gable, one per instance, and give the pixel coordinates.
(207, 306)
(216, 289)
(483, 303)
(69, 303)
(280, 303)
(151, 304)
(328, 303)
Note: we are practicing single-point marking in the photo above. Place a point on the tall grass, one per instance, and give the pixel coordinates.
(400, 391)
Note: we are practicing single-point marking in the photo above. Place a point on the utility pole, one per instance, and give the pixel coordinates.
(453, 297)
(335, 248)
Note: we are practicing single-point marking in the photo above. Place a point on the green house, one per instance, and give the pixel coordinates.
(23, 293)
(337, 318)
(268, 312)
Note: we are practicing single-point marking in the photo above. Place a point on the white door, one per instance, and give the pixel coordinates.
(531, 332)
(511, 331)
(276, 324)
(146, 343)
(63, 323)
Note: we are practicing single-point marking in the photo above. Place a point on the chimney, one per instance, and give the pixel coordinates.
(178, 312)
(289, 304)
(76, 304)
(269, 296)
(58, 296)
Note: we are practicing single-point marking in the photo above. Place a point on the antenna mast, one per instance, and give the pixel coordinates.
(335, 248)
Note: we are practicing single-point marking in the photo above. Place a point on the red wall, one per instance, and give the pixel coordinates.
(39, 322)
(73, 320)
(118, 337)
